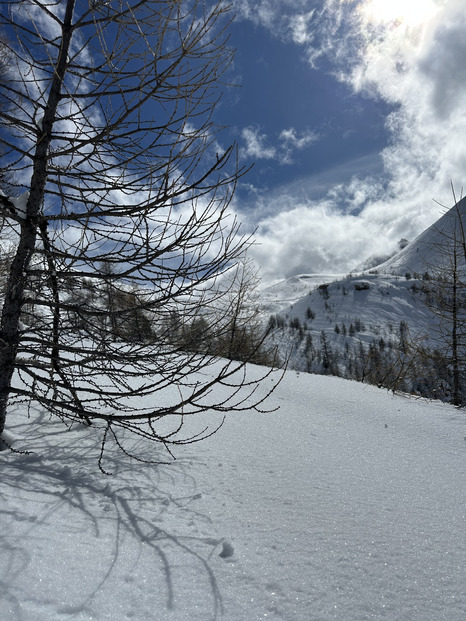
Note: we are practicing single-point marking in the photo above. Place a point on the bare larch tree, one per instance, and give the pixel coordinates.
(445, 296)
(122, 213)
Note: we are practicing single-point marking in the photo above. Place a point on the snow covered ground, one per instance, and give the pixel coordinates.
(281, 295)
(347, 503)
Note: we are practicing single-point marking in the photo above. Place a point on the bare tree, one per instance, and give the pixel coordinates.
(5, 175)
(445, 295)
(231, 325)
(124, 195)
(241, 334)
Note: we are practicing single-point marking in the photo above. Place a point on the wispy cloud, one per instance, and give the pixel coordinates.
(292, 140)
(257, 145)
(299, 27)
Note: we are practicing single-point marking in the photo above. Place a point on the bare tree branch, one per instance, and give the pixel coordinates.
(122, 218)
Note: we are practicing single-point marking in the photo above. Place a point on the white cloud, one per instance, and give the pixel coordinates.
(422, 70)
(255, 144)
(300, 27)
(334, 235)
(415, 60)
(261, 12)
(286, 19)
(293, 139)
(315, 238)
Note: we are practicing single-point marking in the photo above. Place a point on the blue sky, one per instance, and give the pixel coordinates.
(354, 113)
(296, 121)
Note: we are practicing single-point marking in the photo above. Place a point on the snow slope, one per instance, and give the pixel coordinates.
(347, 503)
(426, 252)
(275, 298)
(376, 300)
(351, 312)
(379, 300)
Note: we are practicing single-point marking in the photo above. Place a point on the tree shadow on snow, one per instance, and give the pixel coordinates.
(141, 520)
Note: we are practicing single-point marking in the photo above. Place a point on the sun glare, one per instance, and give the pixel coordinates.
(408, 12)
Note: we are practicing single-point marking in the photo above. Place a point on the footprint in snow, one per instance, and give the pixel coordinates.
(227, 550)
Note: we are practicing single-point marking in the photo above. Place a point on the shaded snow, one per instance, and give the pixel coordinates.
(347, 503)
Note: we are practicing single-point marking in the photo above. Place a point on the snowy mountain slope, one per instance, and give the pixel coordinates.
(330, 328)
(345, 504)
(426, 252)
(415, 257)
(375, 301)
(278, 296)
(341, 326)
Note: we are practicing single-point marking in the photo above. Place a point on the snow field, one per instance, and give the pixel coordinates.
(347, 503)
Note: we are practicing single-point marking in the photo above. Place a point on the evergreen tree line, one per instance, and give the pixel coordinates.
(414, 364)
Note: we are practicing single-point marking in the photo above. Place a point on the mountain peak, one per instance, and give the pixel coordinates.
(430, 249)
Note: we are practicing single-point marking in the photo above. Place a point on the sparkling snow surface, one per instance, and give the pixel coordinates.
(348, 503)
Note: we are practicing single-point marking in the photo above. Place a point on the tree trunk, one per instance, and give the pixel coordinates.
(9, 327)
(454, 336)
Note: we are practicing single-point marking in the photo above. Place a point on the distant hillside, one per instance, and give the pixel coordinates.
(368, 326)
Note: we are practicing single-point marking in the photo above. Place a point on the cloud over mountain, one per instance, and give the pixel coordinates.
(410, 55)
